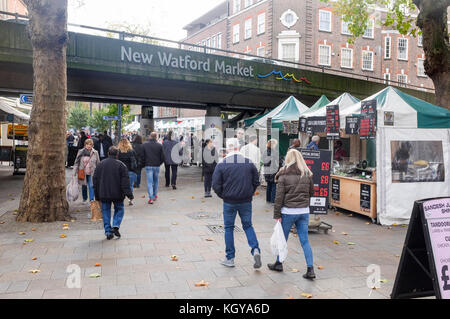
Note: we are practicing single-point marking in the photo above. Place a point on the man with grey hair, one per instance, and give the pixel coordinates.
(252, 152)
(235, 180)
(314, 144)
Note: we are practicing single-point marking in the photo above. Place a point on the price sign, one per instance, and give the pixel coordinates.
(364, 196)
(316, 124)
(351, 125)
(319, 164)
(368, 122)
(336, 189)
(332, 122)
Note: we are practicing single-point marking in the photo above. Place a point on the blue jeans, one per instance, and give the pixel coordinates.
(270, 192)
(152, 180)
(133, 178)
(138, 177)
(301, 222)
(229, 215)
(118, 215)
(84, 189)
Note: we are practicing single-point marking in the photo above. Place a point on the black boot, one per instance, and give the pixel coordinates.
(277, 266)
(310, 273)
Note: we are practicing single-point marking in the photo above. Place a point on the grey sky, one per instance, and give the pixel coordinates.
(167, 17)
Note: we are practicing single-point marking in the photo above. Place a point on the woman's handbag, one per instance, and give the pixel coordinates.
(72, 191)
(278, 243)
(96, 211)
(81, 174)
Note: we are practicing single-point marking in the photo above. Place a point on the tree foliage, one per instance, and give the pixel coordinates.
(78, 118)
(97, 122)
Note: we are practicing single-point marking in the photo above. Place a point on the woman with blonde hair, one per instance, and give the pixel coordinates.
(294, 189)
(85, 163)
(128, 156)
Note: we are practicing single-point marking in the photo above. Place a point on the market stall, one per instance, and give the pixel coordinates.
(411, 151)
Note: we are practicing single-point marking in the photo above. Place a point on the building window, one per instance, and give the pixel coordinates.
(370, 29)
(219, 41)
(288, 52)
(403, 49)
(248, 3)
(248, 29)
(420, 68)
(347, 58)
(419, 40)
(387, 47)
(236, 6)
(324, 20)
(367, 60)
(345, 29)
(261, 51)
(214, 41)
(289, 18)
(261, 23)
(324, 55)
(208, 44)
(387, 78)
(402, 79)
(236, 33)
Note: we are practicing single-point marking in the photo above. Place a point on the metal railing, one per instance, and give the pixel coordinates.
(123, 35)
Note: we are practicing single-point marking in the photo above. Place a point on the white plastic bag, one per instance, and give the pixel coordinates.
(73, 191)
(278, 243)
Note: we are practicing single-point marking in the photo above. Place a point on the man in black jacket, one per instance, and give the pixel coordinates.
(153, 157)
(235, 180)
(111, 185)
(102, 146)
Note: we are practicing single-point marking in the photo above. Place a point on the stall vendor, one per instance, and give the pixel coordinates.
(339, 152)
(401, 158)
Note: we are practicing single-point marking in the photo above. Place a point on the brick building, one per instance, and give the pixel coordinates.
(13, 6)
(308, 32)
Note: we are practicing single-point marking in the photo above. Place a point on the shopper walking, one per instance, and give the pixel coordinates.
(235, 180)
(153, 157)
(81, 140)
(271, 165)
(84, 167)
(139, 149)
(171, 160)
(294, 189)
(209, 161)
(111, 185)
(128, 156)
(102, 146)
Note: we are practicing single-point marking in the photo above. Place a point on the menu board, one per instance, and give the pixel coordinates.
(269, 126)
(364, 196)
(332, 122)
(319, 164)
(316, 124)
(286, 127)
(368, 119)
(336, 189)
(352, 124)
(294, 127)
(302, 124)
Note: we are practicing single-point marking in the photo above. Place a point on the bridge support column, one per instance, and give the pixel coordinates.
(147, 122)
(214, 126)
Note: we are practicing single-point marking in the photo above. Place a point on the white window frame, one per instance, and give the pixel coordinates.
(263, 48)
(401, 83)
(219, 40)
(344, 23)
(421, 74)
(289, 37)
(320, 20)
(236, 6)
(386, 56)
(362, 60)
(420, 40)
(282, 51)
(351, 58)
(398, 49)
(248, 3)
(236, 34)
(248, 29)
(261, 20)
(387, 80)
(329, 55)
(371, 24)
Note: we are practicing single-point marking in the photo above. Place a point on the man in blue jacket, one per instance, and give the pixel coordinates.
(235, 180)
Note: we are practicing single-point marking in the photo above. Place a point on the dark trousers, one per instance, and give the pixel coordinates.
(208, 182)
(174, 169)
(270, 192)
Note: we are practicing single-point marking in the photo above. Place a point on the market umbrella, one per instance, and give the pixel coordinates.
(9, 106)
(321, 102)
(344, 101)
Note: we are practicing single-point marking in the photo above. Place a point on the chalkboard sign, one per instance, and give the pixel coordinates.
(332, 122)
(319, 164)
(364, 196)
(352, 124)
(336, 189)
(269, 126)
(302, 124)
(424, 268)
(368, 122)
(316, 124)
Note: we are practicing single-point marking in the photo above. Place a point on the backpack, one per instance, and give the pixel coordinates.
(133, 164)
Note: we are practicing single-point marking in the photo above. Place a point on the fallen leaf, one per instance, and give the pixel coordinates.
(350, 243)
(33, 229)
(397, 255)
(335, 242)
(192, 197)
(34, 258)
(174, 223)
(12, 198)
(203, 215)
(337, 213)
(404, 225)
(202, 284)
(344, 233)
(367, 223)
(290, 297)
(389, 227)
(295, 235)
(256, 193)
(64, 225)
(66, 228)
(29, 240)
(22, 233)
(306, 295)
(320, 267)
(62, 236)
(1, 223)
(374, 288)
(209, 239)
(394, 225)
(294, 270)
(94, 275)
(351, 215)
(34, 271)
(384, 281)
(16, 210)
(72, 220)
(333, 231)
(143, 196)
(98, 265)
(174, 258)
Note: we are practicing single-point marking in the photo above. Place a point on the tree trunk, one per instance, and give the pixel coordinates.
(44, 191)
(432, 20)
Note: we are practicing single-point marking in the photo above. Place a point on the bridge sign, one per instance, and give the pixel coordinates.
(111, 118)
(26, 98)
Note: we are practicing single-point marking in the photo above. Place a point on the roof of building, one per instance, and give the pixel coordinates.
(214, 14)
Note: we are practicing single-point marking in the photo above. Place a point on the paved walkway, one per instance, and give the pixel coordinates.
(139, 264)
